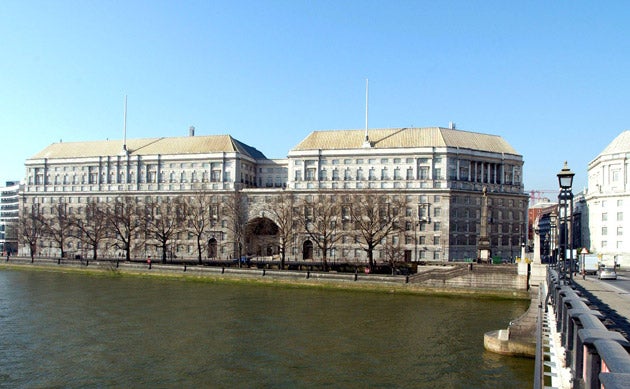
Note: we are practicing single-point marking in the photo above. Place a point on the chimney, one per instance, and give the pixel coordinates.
(191, 131)
(451, 125)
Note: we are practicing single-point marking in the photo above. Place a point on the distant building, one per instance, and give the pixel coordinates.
(439, 174)
(9, 210)
(608, 202)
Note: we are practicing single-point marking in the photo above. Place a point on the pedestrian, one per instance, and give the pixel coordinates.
(149, 261)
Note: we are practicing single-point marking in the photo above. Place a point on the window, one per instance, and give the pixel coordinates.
(310, 174)
(619, 231)
(619, 216)
(604, 216)
(335, 175)
(423, 173)
(409, 174)
(436, 240)
(604, 231)
(372, 174)
(620, 203)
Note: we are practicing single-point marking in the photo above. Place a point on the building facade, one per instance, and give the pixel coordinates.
(9, 212)
(437, 176)
(608, 202)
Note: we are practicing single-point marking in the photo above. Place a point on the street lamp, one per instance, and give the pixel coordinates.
(565, 181)
(553, 219)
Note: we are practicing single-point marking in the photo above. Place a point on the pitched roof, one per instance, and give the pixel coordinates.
(405, 138)
(149, 146)
(621, 144)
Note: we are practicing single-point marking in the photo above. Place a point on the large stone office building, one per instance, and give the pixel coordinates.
(608, 203)
(443, 177)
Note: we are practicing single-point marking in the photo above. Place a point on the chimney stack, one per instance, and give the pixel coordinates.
(191, 131)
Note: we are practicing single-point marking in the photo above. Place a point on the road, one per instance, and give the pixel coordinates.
(612, 297)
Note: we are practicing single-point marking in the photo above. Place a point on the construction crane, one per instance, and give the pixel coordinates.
(537, 195)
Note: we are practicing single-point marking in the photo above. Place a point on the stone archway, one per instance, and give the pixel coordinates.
(262, 238)
(307, 250)
(212, 248)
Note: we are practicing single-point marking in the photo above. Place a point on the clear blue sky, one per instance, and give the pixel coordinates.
(551, 77)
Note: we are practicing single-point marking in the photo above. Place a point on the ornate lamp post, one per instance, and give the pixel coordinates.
(553, 220)
(565, 180)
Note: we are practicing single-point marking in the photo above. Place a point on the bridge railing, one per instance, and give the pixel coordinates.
(596, 356)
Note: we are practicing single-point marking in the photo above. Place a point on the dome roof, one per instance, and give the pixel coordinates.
(621, 144)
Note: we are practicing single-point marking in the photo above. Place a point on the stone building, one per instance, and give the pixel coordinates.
(9, 210)
(437, 174)
(608, 202)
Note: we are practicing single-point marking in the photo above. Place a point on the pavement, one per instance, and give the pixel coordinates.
(610, 299)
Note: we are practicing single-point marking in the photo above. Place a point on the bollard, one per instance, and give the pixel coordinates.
(308, 275)
(184, 268)
(116, 264)
(356, 276)
(406, 279)
(58, 261)
(222, 269)
(264, 272)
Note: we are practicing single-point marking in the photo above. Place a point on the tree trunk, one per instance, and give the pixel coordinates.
(164, 252)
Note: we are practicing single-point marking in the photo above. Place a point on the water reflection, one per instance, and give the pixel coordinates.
(75, 331)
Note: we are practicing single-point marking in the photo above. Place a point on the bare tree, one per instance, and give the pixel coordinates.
(394, 252)
(375, 217)
(319, 219)
(235, 211)
(59, 225)
(124, 218)
(92, 227)
(164, 219)
(284, 217)
(199, 217)
(31, 228)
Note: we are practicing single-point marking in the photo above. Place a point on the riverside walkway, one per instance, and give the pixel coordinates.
(583, 334)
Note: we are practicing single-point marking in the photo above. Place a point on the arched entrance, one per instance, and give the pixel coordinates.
(307, 250)
(262, 238)
(212, 248)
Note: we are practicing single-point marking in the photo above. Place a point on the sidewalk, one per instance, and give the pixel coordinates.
(613, 302)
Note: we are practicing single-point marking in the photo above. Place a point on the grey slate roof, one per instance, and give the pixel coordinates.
(149, 146)
(405, 138)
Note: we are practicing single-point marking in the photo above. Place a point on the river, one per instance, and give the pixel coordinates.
(77, 330)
